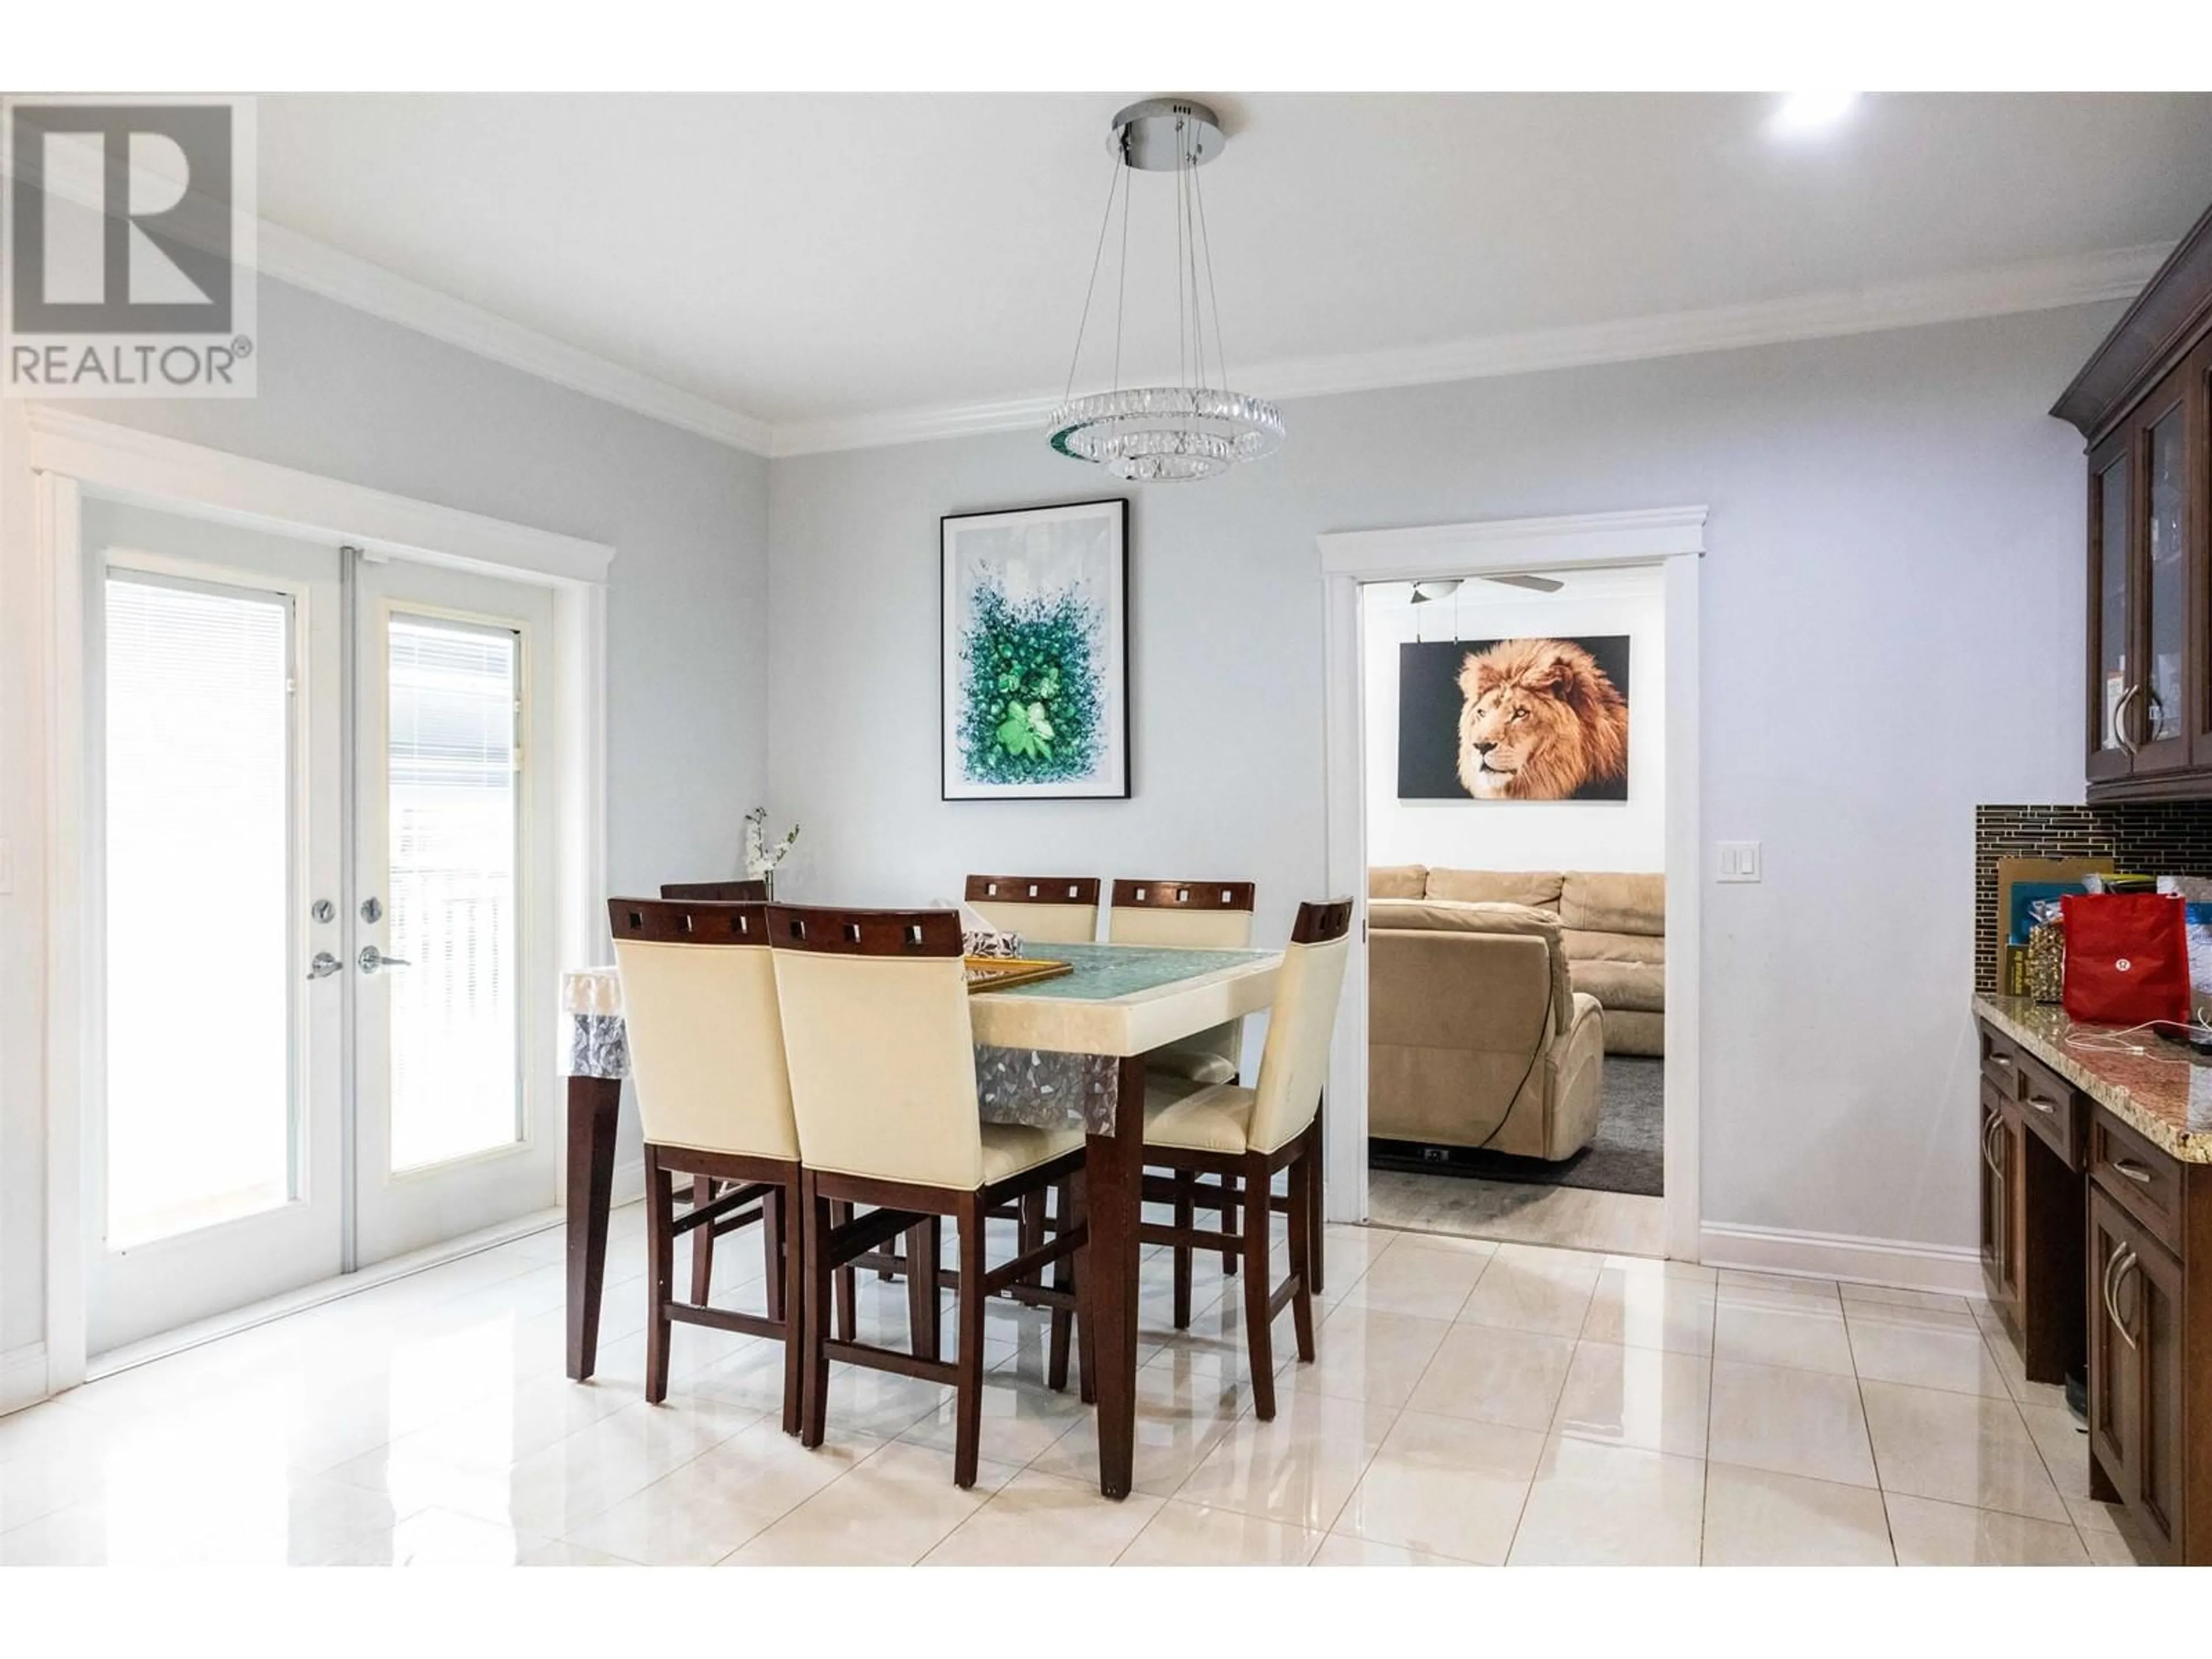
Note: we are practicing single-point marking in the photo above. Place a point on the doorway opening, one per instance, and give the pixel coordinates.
(1515, 803)
(1512, 782)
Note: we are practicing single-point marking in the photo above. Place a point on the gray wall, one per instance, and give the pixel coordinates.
(349, 397)
(1892, 621)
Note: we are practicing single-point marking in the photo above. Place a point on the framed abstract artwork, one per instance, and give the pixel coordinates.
(1035, 644)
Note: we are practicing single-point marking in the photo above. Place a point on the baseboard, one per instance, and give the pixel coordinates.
(1895, 1262)
(22, 1377)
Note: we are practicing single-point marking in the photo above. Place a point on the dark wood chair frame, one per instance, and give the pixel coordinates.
(919, 1210)
(766, 1190)
(727, 1191)
(1137, 894)
(1250, 1177)
(1130, 895)
(1032, 890)
(731, 892)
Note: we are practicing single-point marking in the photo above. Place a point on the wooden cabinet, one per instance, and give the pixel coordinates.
(2096, 1247)
(2136, 1388)
(2032, 1126)
(2149, 1240)
(2144, 403)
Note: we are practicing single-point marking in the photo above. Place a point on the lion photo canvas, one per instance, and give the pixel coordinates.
(1529, 718)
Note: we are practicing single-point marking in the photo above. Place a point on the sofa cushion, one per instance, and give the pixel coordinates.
(1397, 881)
(1636, 986)
(1629, 1032)
(1465, 916)
(1583, 946)
(1539, 888)
(1610, 903)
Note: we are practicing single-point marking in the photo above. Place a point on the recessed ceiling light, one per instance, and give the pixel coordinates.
(1802, 112)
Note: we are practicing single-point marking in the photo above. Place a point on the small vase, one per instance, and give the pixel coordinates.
(768, 884)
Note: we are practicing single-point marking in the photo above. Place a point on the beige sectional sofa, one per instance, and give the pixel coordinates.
(1613, 926)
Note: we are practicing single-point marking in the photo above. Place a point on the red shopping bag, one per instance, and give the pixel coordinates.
(2127, 957)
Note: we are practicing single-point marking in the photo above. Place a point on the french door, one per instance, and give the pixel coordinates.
(322, 886)
(453, 851)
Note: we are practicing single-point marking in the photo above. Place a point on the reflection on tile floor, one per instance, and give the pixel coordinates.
(1471, 1404)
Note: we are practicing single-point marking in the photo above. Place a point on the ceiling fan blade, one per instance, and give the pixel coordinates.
(1533, 583)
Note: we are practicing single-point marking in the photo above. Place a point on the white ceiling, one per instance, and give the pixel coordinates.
(807, 259)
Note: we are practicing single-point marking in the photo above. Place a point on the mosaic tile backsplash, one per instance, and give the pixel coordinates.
(2160, 838)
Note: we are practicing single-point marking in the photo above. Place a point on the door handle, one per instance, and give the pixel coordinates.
(324, 965)
(372, 959)
(2120, 719)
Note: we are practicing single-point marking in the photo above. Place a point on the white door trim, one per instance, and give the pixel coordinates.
(126, 464)
(1673, 537)
(71, 456)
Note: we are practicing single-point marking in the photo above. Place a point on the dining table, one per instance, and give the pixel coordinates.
(1064, 1052)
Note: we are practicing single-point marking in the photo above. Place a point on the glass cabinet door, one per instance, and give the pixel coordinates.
(2111, 686)
(2162, 718)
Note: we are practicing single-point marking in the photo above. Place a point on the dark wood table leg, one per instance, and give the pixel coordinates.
(1114, 1171)
(594, 1103)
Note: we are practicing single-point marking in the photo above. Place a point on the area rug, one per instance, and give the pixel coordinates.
(1624, 1157)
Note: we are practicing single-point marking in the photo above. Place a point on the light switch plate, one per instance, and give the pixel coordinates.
(1739, 860)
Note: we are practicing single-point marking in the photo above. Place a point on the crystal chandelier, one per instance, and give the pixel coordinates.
(1197, 428)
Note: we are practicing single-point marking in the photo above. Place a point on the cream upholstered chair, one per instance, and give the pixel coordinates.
(703, 1187)
(1191, 915)
(1197, 915)
(1043, 910)
(706, 1046)
(1245, 1136)
(1047, 909)
(882, 1082)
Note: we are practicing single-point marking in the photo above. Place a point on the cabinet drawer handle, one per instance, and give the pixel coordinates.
(2042, 1106)
(2133, 1170)
(2004, 1060)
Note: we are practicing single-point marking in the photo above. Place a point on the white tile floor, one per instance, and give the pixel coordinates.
(1473, 1403)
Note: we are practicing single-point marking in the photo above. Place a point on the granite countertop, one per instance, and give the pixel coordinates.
(2164, 1093)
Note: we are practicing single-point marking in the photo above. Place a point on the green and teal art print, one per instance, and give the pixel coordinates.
(1036, 654)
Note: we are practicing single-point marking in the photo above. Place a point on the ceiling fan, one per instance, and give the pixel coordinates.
(1425, 591)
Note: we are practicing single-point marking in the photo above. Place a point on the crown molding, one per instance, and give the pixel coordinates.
(2003, 290)
(2039, 285)
(305, 263)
